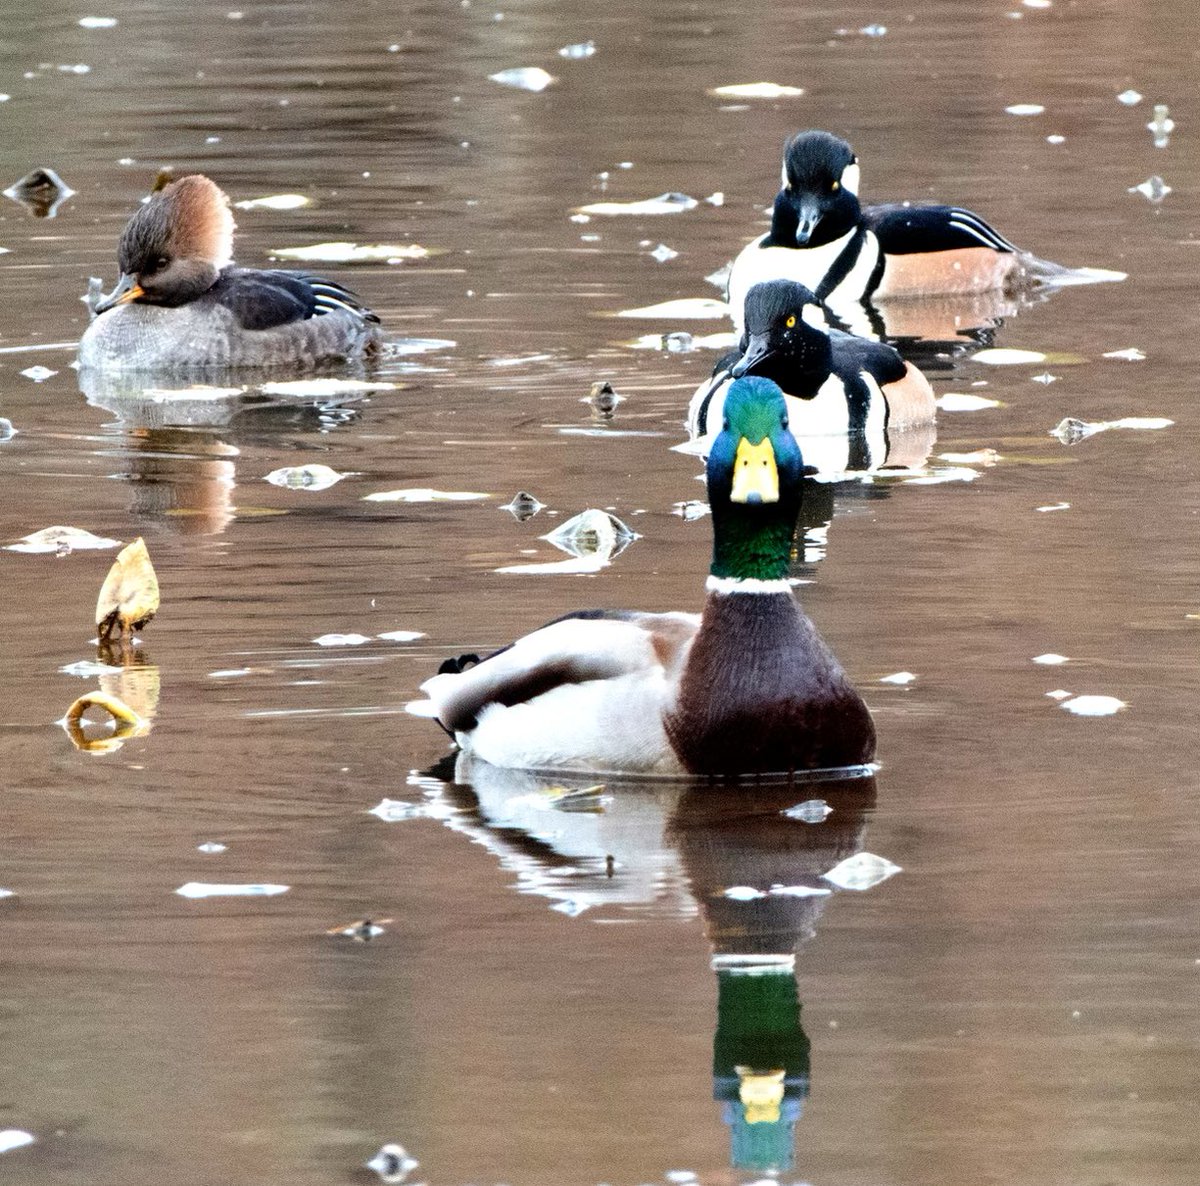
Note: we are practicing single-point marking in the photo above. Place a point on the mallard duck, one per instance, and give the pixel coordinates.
(746, 687)
(849, 399)
(181, 303)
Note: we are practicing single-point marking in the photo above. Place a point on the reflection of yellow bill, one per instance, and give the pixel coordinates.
(126, 723)
(761, 1093)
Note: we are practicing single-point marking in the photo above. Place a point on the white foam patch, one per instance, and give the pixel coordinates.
(214, 889)
(757, 90)
(1093, 706)
(668, 203)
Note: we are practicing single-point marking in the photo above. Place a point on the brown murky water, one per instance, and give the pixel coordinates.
(1017, 1006)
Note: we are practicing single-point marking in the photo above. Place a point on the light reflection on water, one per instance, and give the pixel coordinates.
(1018, 1002)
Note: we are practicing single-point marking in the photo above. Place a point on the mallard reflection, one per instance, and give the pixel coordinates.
(752, 871)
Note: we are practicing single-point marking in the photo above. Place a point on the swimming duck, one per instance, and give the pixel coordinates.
(182, 303)
(821, 237)
(746, 687)
(848, 399)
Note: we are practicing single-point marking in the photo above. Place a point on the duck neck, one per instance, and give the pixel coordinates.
(752, 543)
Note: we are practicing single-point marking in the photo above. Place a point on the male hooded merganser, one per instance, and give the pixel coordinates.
(848, 397)
(182, 303)
(747, 687)
(821, 237)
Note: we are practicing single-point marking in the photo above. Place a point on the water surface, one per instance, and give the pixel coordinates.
(1018, 1005)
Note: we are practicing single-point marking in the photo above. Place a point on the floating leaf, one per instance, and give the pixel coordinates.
(318, 388)
(1050, 659)
(684, 309)
(305, 477)
(216, 889)
(211, 846)
(424, 494)
(1153, 189)
(811, 811)
(668, 203)
(581, 49)
(1072, 430)
(39, 374)
(342, 252)
(523, 506)
(861, 872)
(953, 401)
(743, 893)
(798, 891)
(525, 78)
(1025, 109)
(756, 90)
(341, 640)
(15, 1138)
(401, 635)
(275, 202)
(1093, 706)
(976, 457)
(394, 810)
(61, 540)
(1001, 356)
(1129, 354)
(898, 677)
(392, 1163)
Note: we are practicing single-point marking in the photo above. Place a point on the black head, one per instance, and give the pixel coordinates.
(786, 338)
(819, 199)
(173, 249)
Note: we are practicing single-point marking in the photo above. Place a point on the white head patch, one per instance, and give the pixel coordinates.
(850, 177)
(814, 315)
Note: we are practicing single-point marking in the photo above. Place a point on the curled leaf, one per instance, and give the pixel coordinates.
(126, 722)
(129, 596)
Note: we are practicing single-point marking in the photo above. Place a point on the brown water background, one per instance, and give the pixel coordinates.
(1018, 1006)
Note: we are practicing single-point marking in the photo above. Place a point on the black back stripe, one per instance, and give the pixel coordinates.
(843, 265)
(702, 413)
(971, 224)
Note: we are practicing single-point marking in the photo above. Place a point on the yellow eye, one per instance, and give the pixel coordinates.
(835, 186)
(791, 321)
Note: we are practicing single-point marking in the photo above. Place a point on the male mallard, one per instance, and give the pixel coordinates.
(746, 687)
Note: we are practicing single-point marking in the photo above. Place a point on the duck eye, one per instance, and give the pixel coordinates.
(835, 187)
(161, 263)
(783, 421)
(791, 321)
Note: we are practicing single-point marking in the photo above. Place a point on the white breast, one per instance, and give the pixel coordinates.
(805, 265)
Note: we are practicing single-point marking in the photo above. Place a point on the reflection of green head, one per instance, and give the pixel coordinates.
(760, 1064)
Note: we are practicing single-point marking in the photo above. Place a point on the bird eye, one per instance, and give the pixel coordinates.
(791, 321)
(783, 421)
(161, 263)
(835, 186)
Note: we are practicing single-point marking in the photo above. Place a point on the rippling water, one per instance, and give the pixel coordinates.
(1018, 1005)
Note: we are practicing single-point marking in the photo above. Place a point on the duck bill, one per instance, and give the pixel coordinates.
(808, 214)
(757, 350)
(128, 289)
(755, 474)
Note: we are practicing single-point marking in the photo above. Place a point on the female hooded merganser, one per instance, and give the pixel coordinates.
(746, 687)
(182, 303)
(848, 398)
(821, 237)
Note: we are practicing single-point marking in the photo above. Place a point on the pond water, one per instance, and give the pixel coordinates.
(564, 991)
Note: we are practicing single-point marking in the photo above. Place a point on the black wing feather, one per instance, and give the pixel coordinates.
(262, 298)
(914, 230)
